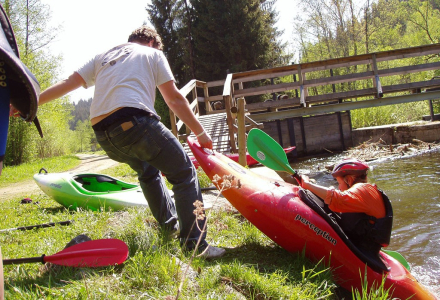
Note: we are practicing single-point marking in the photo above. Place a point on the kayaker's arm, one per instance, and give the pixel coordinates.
(318, 190)
(180, 106)
(61, 88)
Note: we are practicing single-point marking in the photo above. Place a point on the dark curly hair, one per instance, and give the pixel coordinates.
(145, 34)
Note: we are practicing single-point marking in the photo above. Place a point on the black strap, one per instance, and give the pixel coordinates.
(37, 124)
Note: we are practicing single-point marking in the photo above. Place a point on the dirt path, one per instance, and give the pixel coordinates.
(89, 163)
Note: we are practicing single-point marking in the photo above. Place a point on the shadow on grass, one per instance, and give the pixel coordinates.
(268, 259)
(54, 275)
(273, 258)
(55, 210)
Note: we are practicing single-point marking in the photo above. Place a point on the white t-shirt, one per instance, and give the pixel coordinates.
(125, 76)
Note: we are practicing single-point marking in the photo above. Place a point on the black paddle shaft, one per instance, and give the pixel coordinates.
(24, 260)
(297, 177)
(209, 188)
(51, 224)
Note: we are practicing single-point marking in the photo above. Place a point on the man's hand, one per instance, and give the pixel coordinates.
(205, 141)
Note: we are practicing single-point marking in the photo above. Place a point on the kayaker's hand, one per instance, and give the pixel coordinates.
(205, 140)
(297, 179)
(304, 181)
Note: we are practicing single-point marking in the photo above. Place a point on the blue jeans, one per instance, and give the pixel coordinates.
(149, 148)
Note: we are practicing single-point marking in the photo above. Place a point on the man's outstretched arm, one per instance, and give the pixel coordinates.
(61, 88)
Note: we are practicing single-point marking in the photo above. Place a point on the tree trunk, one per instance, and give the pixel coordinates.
(189, 37)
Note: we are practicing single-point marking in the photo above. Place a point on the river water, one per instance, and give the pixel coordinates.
(413, 186)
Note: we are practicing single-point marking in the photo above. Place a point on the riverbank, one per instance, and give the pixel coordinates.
(393, 141)
(403, 133)
(369, 151)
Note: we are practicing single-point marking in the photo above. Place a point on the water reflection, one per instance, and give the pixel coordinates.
(413, 186)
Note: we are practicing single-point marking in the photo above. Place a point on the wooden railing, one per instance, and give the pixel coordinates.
(321, 75)
(313, 88)
(190, 87)
(195, 100)
(237, 116)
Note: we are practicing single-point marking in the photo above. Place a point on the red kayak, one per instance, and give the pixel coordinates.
(292, 218)
(234, 156)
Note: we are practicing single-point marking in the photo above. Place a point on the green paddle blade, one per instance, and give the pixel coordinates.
(399, 257)
(267, 151)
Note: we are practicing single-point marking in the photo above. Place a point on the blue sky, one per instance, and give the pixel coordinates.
(92, 26)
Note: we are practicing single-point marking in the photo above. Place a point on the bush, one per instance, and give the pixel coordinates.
(390, 114)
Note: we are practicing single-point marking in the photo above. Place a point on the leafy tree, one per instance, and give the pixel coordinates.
(162, 109)
(234, 36)
(385, 21)
(84, 134)
(80, 112)
(167, 17)
(423, 23)
(19, 138)
(30, 19)
(206, 39)
(338, 28)
(54, 118)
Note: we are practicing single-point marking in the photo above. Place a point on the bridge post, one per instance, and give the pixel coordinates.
(228, 91)
(376, 82)
(302, 90)
(431, 110)
(241, 131)
(206, 95)
(173, 122)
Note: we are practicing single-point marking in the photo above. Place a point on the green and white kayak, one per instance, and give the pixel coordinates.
(90, 191)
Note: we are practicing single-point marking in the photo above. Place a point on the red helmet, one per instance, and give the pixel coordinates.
(350, 167)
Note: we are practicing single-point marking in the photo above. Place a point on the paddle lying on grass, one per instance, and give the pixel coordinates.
(268, 152)
(96, 253)
(51, 224)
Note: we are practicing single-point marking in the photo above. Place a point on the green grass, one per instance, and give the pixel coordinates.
(27, 170)
(378, 291)
(253, 266)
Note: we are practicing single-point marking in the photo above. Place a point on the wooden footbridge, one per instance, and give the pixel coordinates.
(321, 88)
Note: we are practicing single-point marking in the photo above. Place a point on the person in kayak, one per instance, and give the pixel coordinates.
(366, 213)
(128, 128)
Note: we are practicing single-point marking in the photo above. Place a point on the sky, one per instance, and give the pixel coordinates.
(90, 27)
